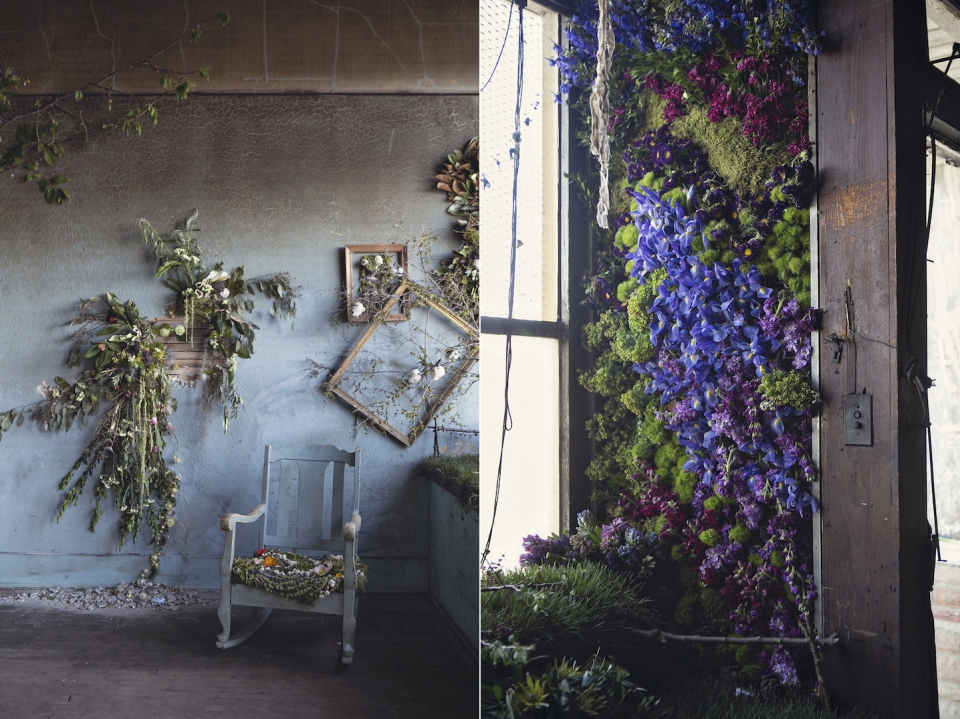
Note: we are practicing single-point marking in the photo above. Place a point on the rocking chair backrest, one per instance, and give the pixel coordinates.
(303, 488)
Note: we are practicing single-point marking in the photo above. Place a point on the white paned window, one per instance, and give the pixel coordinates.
(535, 294)
(529, 500)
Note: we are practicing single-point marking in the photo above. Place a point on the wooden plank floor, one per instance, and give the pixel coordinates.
(121, 664)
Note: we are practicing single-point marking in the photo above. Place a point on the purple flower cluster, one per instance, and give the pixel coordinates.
(655, 499)
(619, 545)
(723, 335)
(550, 550)
(749, 88)
(626, 548)
(718, 330)
(689, 28)
(720, 207)
(600, 285)
(680, 162)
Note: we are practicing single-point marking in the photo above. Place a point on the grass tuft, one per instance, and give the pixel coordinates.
(558, 607)
(459, 475)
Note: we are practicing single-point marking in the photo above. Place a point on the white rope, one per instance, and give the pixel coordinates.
(600, 108)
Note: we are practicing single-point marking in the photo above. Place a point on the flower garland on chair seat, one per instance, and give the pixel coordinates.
(292, 575)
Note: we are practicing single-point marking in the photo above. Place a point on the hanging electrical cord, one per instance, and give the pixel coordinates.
(920, 382)
(923, 384)
(502, 46)
(507, 417)
(913, 280)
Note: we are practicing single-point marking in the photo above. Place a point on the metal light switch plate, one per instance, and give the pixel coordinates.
(858, 419)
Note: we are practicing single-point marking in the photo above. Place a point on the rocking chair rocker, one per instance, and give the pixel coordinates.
(303, 509)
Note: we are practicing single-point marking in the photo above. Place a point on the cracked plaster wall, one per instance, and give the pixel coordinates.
(281, 182)
(338, 46)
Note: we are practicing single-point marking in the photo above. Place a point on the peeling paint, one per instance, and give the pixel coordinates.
(353, 46)
(857, 201)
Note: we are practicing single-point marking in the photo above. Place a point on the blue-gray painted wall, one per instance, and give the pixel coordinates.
(281, 183)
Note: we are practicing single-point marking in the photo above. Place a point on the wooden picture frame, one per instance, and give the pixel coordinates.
(352, 256)
(332, 386)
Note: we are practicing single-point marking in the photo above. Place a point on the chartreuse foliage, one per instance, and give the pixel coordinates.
(701, 288)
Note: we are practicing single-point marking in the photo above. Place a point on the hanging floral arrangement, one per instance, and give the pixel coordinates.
(126, 374)
(218, 301)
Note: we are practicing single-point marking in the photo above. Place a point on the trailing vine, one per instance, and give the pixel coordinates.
(35, 140)
(126, 374)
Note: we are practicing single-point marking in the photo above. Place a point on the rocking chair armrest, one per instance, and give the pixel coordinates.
(229, 521)
(351, 528)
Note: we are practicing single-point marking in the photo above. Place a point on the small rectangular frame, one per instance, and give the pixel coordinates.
(351, 252)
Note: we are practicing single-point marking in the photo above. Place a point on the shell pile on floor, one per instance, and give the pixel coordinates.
(141, 594)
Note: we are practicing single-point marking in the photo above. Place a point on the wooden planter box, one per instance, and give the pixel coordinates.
(185, 358)
(455, 563)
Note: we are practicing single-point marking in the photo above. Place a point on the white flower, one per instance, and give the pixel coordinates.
(398, 271)
(216, 276)
(363, 261)
(476, 264)
(437, 372)
(453, 354)
(377, 260)
(357, 309)
(414, 377)
(224, 293)
(45, 389)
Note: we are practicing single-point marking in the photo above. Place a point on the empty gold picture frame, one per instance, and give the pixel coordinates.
(332, 386)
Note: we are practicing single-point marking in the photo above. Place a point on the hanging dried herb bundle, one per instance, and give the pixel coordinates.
(130, 376)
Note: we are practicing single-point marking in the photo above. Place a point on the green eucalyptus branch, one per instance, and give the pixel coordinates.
(33, 141)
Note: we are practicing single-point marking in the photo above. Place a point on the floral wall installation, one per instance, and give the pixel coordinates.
(702, 301)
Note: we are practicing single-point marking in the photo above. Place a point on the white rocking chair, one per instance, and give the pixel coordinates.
(305, 513)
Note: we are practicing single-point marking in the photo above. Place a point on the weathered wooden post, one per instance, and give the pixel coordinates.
(874, 538)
